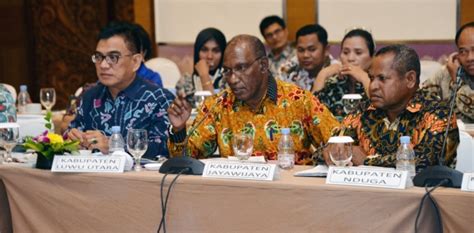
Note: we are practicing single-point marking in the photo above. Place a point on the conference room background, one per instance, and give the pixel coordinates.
(47, 43)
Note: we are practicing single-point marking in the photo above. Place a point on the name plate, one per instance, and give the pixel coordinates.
(72, 163)
(467, 182)
(369, 177)
(239, 170)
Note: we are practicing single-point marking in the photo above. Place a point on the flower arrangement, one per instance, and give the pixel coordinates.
(49, 144)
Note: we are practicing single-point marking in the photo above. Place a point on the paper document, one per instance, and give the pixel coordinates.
(318, 171)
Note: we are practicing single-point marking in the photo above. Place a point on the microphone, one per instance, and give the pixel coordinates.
(441, 174)
(185, 164)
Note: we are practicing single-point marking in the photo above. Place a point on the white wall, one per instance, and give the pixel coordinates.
(179, 21)
(390, 19)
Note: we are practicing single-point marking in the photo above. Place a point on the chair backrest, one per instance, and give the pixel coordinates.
(167, 69)
(428, 69)
(465, 153)
(11, 89)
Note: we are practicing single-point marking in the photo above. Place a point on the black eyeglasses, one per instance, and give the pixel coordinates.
(111, 59)
(239, 70)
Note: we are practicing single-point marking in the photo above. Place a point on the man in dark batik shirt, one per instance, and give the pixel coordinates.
(121, 98)
(399, 108)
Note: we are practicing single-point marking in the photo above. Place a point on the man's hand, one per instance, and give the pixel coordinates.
(452, 65)
(94, 139)
(179, 112)
(75, 134)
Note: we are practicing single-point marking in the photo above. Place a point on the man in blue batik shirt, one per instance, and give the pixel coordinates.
(121, 97)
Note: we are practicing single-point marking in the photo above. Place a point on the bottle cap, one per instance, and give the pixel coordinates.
(23, 87)
(405, 139)
(285, 131)
(116, 129)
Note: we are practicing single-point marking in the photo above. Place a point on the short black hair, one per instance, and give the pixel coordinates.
(145, 42)
(406, 59)
(369, 41)
(458, 33)
(316, 29)
(125, 30)
(269, 20)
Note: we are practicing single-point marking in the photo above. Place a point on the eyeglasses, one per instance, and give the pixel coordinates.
(111, 59)
(239, 70)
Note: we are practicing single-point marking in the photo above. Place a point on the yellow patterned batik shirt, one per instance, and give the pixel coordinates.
(424, 120)
(284, 106)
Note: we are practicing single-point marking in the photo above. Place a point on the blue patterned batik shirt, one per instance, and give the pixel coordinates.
(140, 106)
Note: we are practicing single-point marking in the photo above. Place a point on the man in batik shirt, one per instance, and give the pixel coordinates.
(275, 33)
(443, 83)
(312, 53)
(121, 98)
(255, 104)
(399, 108)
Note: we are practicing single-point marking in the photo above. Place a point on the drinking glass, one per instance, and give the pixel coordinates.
(137, 144)
(242, 144)
(351, 102)
(200, 96)
(9, 135)
(340, 150)
(48, 98)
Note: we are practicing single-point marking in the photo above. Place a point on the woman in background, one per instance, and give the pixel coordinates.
(350, 77)
(208, 55)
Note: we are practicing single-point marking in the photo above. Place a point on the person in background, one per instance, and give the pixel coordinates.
(275, 33)
(146, 50)
(332, 82)
(255, 103)
(121, 98)
(443, 83)
(7, 106)
(312, 51)
(208, 55)
(399, 108)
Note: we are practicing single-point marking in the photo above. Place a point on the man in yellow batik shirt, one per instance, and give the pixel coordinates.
(255, 103)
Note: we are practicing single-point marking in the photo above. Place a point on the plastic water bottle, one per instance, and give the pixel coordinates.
(406, 157)
(23, 99)
(116, 142)
(286, 153)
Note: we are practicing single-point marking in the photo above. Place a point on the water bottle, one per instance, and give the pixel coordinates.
(116, 142)
(286, 153)
(23, 99)
(406, 157)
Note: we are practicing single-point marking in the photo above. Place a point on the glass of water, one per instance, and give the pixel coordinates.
(9, 136)
(242, 144)
(48, 98)
(351, 102)
(340, 150)
(137, 144)
(200, 96)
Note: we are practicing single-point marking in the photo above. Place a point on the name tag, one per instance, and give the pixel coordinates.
(369, 177)
(468, 182)
(71, 163)
(238, 170)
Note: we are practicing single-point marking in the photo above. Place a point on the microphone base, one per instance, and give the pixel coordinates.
(433, 175)
(177, 164)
